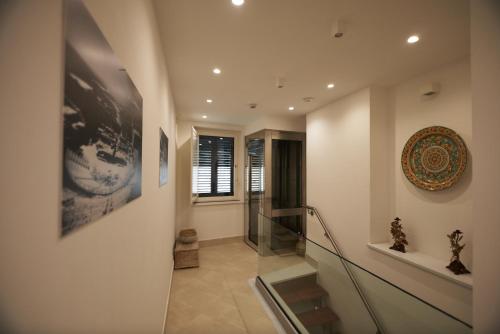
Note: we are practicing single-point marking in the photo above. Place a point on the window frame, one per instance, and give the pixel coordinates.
(199, 199)
(214, 177)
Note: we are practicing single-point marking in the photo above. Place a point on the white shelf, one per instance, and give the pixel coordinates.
(424, 262)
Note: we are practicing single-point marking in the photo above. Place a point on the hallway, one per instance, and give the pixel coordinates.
(330, 166)
(217, 297)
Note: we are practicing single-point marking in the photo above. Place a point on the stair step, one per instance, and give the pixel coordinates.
(286, 237)
(295, 283)
(305, 293)
(317, 317)
(285, 251)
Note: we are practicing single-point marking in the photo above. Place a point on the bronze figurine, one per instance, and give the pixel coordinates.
(456, 265)
(398, 236)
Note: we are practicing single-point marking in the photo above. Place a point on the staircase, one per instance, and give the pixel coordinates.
(309, 302)
(318, 292)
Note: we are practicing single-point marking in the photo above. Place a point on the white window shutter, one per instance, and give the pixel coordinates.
(195, 148)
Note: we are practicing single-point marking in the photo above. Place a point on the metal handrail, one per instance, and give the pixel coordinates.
(313, 211)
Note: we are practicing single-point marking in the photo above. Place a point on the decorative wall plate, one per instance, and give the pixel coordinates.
(434, 158)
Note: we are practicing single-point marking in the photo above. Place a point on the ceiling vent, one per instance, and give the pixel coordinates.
(338, 29)
(252, 105)
(429, 89)
(308, 99)
(280, 82)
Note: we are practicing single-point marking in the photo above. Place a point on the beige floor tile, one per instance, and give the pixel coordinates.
(216, 297)
(203, 324)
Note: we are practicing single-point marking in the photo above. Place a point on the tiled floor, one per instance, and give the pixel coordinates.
(216, 297)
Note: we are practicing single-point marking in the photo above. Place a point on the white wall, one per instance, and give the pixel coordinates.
(338, 138)
(211, 220)
(485, 23)
(219, 220)
(428, 216)
(112, 275)
(290, 123)
(338, 170)
(381, 163)
(342, 139)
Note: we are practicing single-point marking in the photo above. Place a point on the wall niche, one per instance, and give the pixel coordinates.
(397, 112)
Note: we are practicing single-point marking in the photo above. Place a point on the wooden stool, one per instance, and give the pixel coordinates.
(186, 255)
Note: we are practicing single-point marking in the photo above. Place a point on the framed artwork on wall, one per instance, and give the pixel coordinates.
(434, 158)
(163, 158)
(102, 111)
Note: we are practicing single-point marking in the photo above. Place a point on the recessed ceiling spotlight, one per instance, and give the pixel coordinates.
(291, 108)
(238, 2)
(209, 101)
(413, 39)
(330, 86)
(204, 116)
(217, 71)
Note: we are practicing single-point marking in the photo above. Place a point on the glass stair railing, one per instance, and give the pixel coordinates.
(316, 290)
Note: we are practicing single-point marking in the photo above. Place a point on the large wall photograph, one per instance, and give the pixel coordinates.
(102, 113)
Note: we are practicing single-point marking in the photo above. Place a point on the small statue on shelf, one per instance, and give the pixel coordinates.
(398, 236)
(456, 265)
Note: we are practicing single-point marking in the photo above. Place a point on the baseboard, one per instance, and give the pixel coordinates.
(220, 241)
(168, 300)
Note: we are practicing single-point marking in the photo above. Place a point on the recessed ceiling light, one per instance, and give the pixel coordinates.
(209, 101)
(238, 2)
(217, 71)
(291, 108)
(413, 39)
(330, 86)
(221, 138)
(204, 116)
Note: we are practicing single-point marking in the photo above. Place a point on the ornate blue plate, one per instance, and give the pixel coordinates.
(434, 158)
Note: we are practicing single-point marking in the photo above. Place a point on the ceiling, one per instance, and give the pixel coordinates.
(263, 39)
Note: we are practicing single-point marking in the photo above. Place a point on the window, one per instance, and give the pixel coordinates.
(214, 166)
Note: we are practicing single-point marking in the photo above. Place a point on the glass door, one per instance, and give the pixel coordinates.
(287, 192)
(255, 188)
